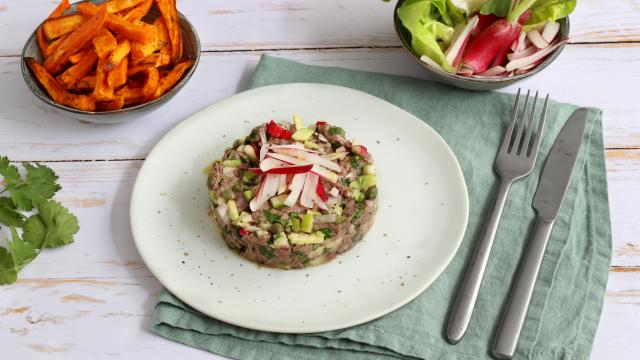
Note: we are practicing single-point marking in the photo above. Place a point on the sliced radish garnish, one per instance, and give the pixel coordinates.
(520, 54)
(270, 163)
(264, 148)
(494, 71)
(459, 39)
(310, 158)
(427, 60)
(289, 169)
(321, 193)
(309, 191)
(316, 169)
(295, 146)
(297, 183)
(537, 39)
(334, 191)
(324, 173)
(550, 31)
(341, 149)
(518, 63)
(268, 189)
(282, 183)
(255, 170)
(319, 203)
(287, 159)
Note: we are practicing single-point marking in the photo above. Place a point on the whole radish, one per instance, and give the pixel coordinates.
(491, 45)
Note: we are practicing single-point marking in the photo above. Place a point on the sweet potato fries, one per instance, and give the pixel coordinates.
(106, 57)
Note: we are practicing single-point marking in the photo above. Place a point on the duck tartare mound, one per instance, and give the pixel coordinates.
(291, 196)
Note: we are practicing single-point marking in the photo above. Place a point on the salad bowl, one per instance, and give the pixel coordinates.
(470, 82)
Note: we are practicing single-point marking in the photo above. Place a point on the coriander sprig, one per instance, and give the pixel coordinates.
(51, 224)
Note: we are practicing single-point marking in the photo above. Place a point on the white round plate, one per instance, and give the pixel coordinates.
(421, 219)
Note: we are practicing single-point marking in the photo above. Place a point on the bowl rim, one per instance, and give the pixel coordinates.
(42, 94)
(398, 27)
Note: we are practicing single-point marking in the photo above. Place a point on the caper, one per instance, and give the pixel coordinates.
(372, 193)
(276, 228)
(237, 186)
(227, 194)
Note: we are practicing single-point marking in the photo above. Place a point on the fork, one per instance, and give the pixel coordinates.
(515, 160)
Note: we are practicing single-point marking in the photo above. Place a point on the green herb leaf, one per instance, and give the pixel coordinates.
(39, 185)
(9, 215)
(9, 172)
(51, 226)
(271, 217)
(548, 10)
(8, 272)
(54, 226)
(22, 252)
(327, 232)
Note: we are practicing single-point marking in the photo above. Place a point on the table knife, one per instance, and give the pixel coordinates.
(554, 181)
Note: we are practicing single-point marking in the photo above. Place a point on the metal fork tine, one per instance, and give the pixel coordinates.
(514, 115)
(529, 128)
(518, 138)
(536, 142)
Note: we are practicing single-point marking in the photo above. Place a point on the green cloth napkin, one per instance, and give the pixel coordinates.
(566, 305)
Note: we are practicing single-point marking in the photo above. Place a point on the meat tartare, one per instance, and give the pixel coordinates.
(291, 196)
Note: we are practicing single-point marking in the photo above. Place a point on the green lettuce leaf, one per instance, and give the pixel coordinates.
(548, 10)
(499, 8)
(428, 35)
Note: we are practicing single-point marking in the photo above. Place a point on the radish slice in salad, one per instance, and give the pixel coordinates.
(459, 40)
(520, 54)
(286, 170)
(519, 44)
(282, 183)
(309, 191)
(310, 158)
(295, 146)
(297, 183)
(268, 188)
(528, 60)
(264, 148)
(494, 71)
(270, 163)
(334, 191)
(550, 31)
(537, 39)
(427, 60)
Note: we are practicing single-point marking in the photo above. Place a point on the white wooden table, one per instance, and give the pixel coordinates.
(94, 299)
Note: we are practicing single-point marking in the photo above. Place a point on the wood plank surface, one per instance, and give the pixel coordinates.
(94, 299)
(252, 25)
(101, 318)
(33, 131)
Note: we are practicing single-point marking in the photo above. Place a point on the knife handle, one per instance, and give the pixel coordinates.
(506, 341)
(468, 292)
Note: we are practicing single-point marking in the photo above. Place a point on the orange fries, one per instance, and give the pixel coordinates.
(105, 57)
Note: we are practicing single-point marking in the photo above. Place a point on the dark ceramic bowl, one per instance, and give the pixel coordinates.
(467, 82)
(191, 50)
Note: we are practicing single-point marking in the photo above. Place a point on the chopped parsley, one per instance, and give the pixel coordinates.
(327, 232)
(271, 217)
(267, 252)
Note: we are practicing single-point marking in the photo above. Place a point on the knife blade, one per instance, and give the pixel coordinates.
(553, 185)
(558, 168)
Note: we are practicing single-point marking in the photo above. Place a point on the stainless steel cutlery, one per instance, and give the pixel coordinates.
(515, 160)
(552, 188)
